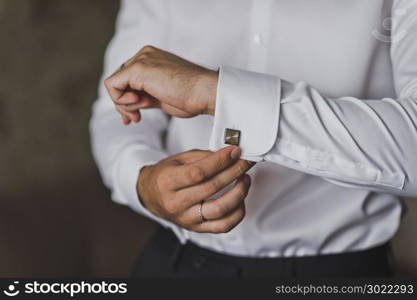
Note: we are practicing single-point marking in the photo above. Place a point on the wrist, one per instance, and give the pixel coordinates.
(209, 86)
(140, 183)
(145, 192)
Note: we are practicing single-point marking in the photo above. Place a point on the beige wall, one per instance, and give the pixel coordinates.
(56, 218)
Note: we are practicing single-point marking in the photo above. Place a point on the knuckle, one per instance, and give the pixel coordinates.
(214, 185)
(241, 213)
(190, 152)
(196, 150)
(242, 190)
(218, 228)
(219, 210)
(226, 227)
(139, 65)
(220, 163)
(107, 82)
(241, 168)
(142, 57)
(196, 174)
(170, 207)
(183, 198)
(147, 49)
(162, 181)
(181, 221)
(230, 224)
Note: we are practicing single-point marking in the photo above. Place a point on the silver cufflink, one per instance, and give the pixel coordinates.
(232, 137)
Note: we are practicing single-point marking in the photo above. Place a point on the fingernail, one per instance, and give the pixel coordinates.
(235, 154)
(247, 179)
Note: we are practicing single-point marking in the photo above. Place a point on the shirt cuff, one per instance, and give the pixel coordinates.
(247, 112)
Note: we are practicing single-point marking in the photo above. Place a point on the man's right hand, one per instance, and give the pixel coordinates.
(175, 187)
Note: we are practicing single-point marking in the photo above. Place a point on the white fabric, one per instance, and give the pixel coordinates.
(241, 98)
(324, 94)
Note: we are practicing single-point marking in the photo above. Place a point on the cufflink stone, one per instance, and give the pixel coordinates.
(232, 137)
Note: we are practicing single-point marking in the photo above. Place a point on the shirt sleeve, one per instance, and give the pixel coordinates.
(121, 151)
(359, 143)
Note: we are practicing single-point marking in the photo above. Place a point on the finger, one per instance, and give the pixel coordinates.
(223, 205)
(119, 82)
(191, 156)
(132, 116)
(125, 120)
(123, 109)
(180, 159)
(222, 225)
(228, 202)
(198, 192)
(142, 104)
(130, 107)
(203, 169)
(127, 98)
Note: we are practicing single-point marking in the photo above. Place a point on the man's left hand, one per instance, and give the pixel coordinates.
(156, 78)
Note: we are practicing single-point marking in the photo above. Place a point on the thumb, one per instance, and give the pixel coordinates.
(191, 156)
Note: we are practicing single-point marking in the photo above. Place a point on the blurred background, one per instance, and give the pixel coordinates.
(56, 217)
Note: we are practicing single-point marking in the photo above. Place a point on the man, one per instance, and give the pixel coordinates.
(332, 155)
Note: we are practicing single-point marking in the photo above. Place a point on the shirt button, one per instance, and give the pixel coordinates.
(257, 38)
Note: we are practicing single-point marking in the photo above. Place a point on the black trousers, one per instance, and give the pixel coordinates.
(165, 257)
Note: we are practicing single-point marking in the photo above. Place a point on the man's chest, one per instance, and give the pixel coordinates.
(330, 44)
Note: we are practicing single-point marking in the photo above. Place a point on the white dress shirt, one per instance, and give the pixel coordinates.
(324, 94)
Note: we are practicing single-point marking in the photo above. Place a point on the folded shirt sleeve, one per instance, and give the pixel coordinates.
(360, 143)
